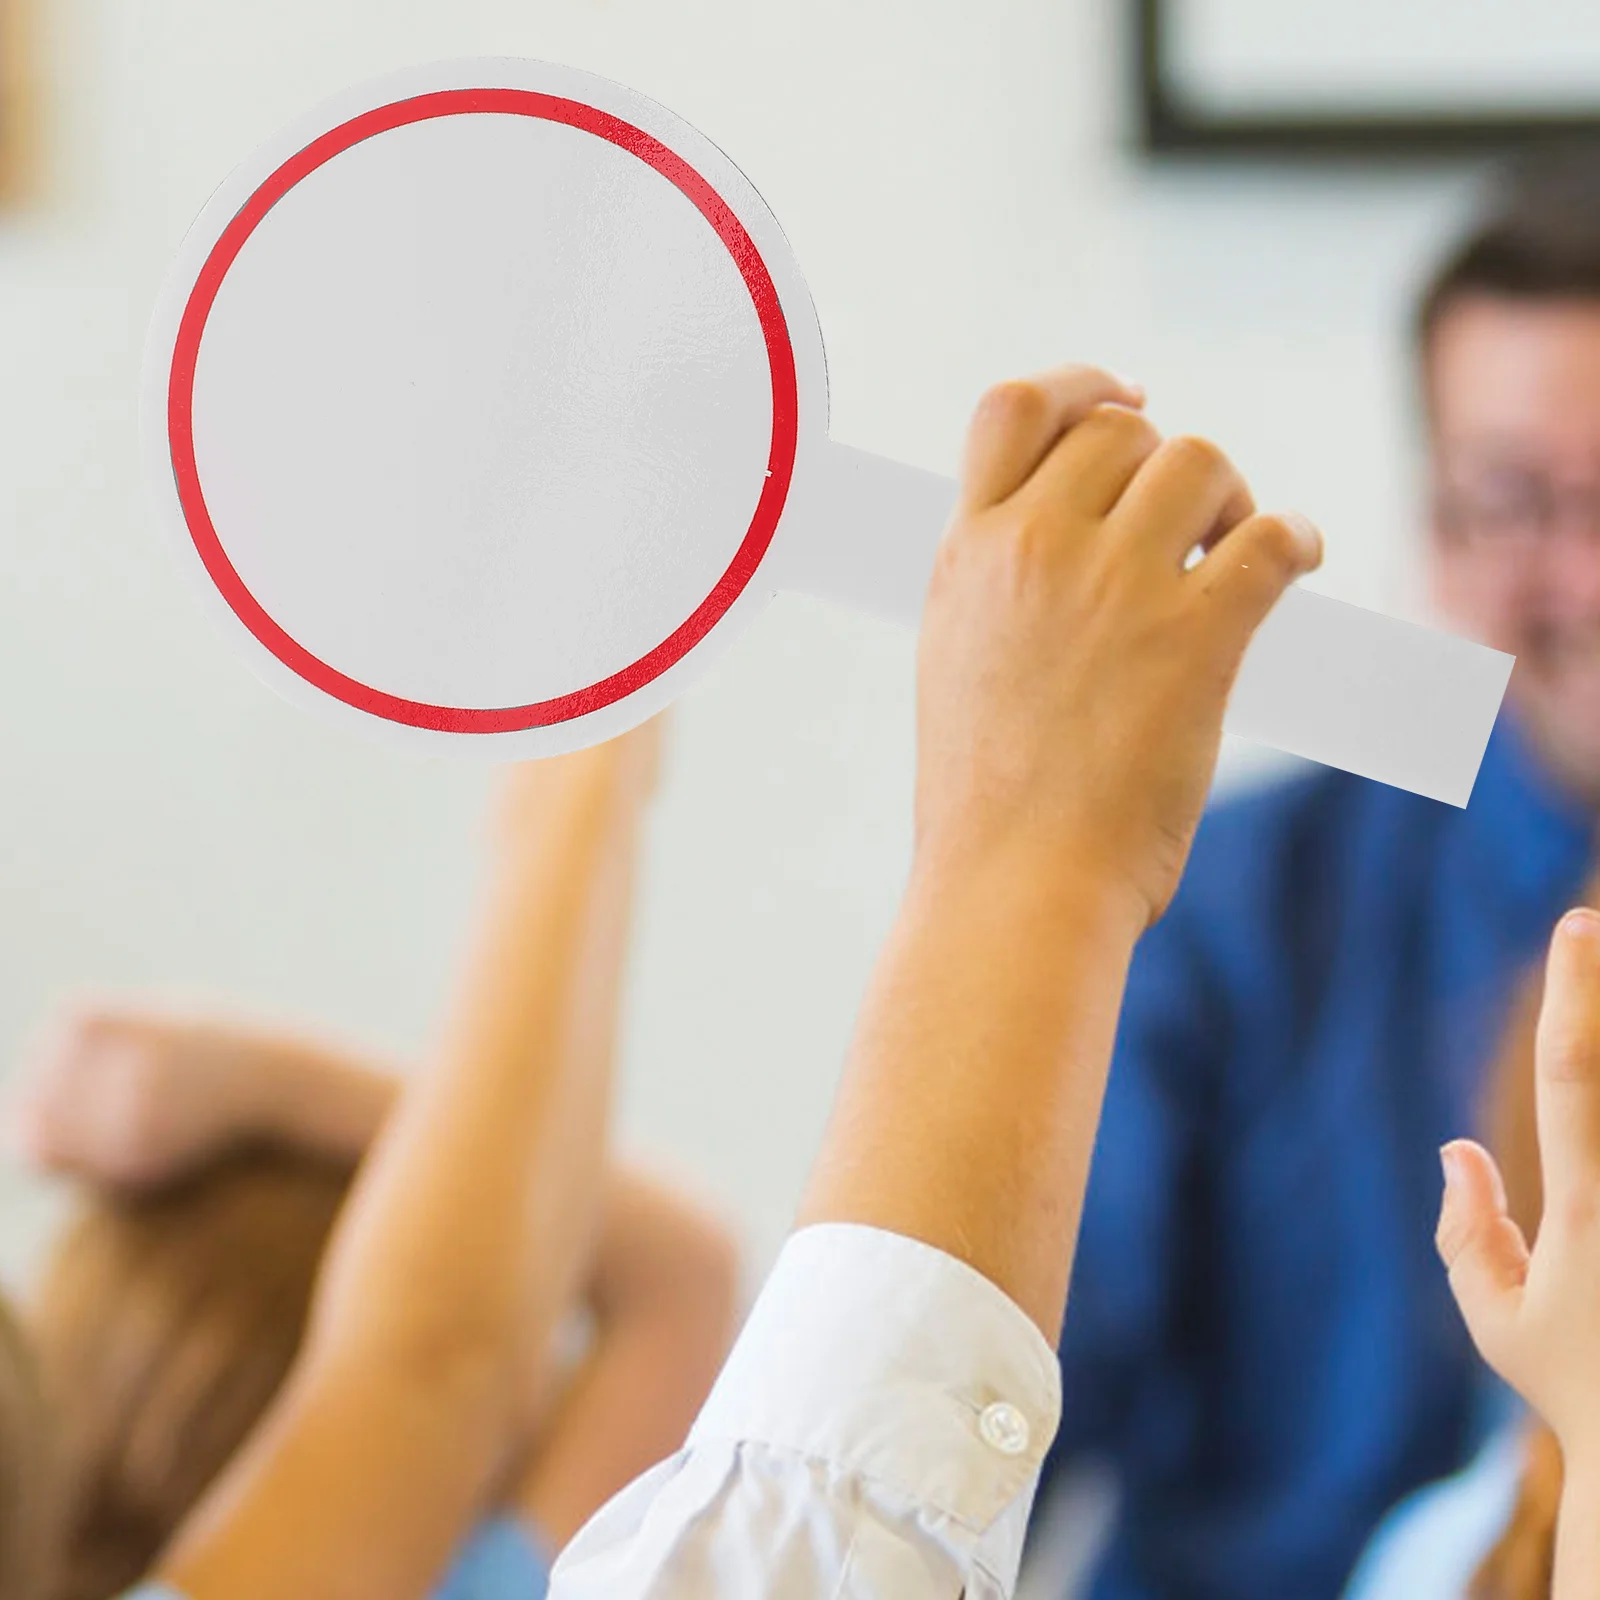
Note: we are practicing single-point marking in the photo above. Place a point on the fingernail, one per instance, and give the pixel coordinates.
(1450, 1161)
(1581, 923)
(1309, 536)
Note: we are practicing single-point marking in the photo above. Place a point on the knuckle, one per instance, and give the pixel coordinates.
(1451, 1238)
(959, 555)
(1576, 1214)
(1089, 380)
(71, 1044)
(1131, 430)
(1276, 544)
(947, 561)
(95, 1026)
(1198, 457)
(1037, 532)
(79, 1020)
(1013, 403)
(1569, 1054)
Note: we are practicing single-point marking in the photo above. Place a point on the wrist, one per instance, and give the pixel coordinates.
(1034, 879)
(253, 1095)
(562, 799)
(272, 1086)
(1580, 1465)
(322, 1101)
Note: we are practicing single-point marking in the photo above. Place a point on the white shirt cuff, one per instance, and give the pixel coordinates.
(887, 1358)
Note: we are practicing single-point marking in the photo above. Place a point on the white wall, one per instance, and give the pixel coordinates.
(952, 180)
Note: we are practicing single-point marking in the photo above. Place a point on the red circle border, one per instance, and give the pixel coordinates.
(780, 461)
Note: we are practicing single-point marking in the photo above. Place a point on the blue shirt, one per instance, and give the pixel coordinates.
(1432, 1544)
(500, 1561)
(1260, 1338)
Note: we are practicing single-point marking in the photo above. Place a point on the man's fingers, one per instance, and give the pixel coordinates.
(1250, 566)
(1567, 1052)
(1482, 1248)
(1017, 423)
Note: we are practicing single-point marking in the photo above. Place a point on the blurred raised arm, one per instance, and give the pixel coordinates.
(469, 1226)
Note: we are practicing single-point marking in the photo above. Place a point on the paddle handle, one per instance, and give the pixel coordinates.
(1338, 684)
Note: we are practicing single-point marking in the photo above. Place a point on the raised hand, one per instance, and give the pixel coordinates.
(1535, 1313)
(132, 1096)
(135, 1096)
(1074, 664)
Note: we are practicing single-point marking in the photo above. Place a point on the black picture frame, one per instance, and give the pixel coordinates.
(1167, 126)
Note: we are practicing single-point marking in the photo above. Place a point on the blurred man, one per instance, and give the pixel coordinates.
(1259, 1337)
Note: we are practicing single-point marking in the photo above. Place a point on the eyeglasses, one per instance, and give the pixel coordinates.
(1515, 507)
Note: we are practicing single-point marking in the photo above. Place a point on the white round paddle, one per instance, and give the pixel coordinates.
(487, 403)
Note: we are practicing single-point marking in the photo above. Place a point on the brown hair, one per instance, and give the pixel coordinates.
(165, 1325)
(26, 1524)
(1538, 238)
(1521, 1565)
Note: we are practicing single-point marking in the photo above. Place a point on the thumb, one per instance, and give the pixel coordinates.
(1482, 1248)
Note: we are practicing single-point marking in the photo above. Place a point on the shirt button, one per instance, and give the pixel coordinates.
(1004, 1428)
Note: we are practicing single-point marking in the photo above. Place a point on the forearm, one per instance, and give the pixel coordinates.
(664, 1298)
(575, 1166)
(314, 1096)
(436, 1281)
(967, 1114)
(444, 1234)
(629, 1405)
(370, 1503)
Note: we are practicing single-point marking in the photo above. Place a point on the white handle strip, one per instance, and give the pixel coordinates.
(1350, 688)
(1355, 689)
(862, 530)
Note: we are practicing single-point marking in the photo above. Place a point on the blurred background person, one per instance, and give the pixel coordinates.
(466, 1233)
(212, 1160)
(193, 1298)
(1260, 1338)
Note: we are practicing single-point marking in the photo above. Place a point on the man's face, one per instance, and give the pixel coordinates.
(1514, 391)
